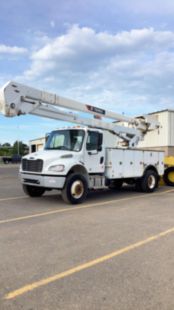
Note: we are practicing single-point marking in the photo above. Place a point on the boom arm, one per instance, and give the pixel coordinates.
(18, 99)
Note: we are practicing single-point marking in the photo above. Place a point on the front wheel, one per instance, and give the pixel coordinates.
(149, 182)
(75, 189)
(33, 191)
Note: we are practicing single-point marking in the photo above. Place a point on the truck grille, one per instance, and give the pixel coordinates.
(32, 165)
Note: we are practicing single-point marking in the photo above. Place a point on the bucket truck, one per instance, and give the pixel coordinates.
(98, 152)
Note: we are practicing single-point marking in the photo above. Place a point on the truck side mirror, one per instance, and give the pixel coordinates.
(47, 136)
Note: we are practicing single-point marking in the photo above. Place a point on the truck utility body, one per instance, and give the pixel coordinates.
(101, 154)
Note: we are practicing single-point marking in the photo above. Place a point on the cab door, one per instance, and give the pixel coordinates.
(95, 153)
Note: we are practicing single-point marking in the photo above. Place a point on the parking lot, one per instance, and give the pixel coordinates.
(115, 251)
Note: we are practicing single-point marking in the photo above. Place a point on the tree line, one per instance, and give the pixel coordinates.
(18, 147)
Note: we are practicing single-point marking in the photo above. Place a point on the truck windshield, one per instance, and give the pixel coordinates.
(68, 140)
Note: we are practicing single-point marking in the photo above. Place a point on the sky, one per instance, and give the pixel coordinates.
(118, 55)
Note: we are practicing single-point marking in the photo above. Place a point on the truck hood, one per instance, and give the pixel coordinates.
(58, 157)
(50, 155)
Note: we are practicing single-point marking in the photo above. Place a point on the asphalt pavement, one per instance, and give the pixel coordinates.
(115, 251)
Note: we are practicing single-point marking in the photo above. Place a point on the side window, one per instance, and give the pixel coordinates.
(92, 141)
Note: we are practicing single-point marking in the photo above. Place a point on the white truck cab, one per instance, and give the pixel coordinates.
(76, 150)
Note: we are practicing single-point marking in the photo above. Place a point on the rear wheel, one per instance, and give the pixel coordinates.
(149, 182)
(33, 191)
(75, 189)
(169, 176)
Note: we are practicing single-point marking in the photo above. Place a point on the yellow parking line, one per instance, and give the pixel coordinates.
(67, 209)
(13, 198)
(168, 191)
(29, 287)
(7, 178)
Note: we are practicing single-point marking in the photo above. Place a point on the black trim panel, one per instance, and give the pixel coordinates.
(43, 175)
(95, 173)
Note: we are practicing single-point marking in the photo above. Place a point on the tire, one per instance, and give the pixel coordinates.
(33, 191)
(169, 176)
(149, 182)
(116, 184)
(75, 189)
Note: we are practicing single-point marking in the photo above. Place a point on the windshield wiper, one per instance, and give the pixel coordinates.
(62, 147)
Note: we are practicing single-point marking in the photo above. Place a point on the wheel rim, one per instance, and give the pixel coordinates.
(171, 176)
(151, 181)
(77, 189)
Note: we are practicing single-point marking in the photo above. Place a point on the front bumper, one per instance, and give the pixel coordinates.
(54, 182)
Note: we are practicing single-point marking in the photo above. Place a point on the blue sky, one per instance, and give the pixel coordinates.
(115, 54)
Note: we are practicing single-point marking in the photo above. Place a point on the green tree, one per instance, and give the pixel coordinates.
(19, 148)
(6, 144)
(5, 149)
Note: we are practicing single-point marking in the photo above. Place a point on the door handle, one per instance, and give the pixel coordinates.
(101, 160)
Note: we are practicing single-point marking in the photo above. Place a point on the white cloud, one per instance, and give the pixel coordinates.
(86, 42)
(130, 70)
(13, 50)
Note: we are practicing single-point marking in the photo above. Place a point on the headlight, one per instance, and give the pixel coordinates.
(56, 168)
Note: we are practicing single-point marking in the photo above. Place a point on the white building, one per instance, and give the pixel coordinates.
(163, 138)
(36, 145)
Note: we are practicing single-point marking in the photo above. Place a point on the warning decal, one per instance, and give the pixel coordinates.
(95, 109)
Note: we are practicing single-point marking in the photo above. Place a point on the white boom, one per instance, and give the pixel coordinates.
(18, 99)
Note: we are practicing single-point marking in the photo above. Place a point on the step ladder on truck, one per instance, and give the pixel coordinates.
(97, 153)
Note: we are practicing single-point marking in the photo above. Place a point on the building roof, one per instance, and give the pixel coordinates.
(161, 111)
(37, 139)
